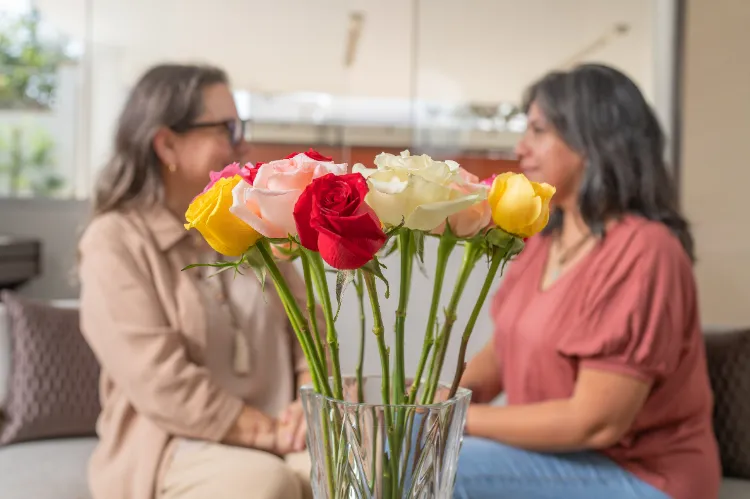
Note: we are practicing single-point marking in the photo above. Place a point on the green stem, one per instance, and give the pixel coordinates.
(445, 247)
(297, 319)
(328, 451)
(471, 253)
(379, 331)
(407, 259)
(374, 449)
(399, 371)
(498, 256)
(319, 275)
(319, 376)
(360, 287)
(311, 314)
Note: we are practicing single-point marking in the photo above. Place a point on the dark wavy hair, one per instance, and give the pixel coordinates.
(602, 115)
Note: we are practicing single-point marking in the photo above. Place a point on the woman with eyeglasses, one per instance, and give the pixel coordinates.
(199, 373)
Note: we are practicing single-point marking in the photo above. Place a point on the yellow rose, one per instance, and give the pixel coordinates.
(519, 206)
(209, 213)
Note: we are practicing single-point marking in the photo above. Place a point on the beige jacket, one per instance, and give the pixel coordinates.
(147, 323)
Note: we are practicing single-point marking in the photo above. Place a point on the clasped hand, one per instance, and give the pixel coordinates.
(280, 436)
(291, 429)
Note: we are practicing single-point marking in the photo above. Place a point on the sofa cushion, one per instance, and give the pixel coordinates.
(732, 488)
(5, 350)
(47, 469)
(5, 356)
(53, 389)
(728, 354)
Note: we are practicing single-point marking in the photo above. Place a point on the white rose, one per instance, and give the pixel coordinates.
(437, 171)
(415, 189)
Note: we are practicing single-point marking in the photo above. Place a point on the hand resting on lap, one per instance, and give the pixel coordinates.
(256, 430)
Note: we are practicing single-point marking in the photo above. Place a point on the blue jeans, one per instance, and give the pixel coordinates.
(487, 469)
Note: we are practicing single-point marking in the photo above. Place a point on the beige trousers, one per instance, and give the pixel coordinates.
(215, 471)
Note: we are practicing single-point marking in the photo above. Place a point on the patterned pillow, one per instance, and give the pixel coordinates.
(729, 368)
(53, 388)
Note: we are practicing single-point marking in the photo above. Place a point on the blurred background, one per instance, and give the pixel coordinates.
(352, 78)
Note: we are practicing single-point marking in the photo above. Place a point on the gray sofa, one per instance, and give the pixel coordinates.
(56, 469)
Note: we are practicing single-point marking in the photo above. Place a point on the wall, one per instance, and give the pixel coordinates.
(481, 50)
(716, 153)
(57, 225)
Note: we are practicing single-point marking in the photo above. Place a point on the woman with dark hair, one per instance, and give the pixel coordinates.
(597, 345)
(199, 374)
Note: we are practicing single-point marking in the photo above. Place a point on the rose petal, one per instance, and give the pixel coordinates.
(519, 205)
(268, 212)
(428, 216)
(210, 214)
(312, 154)
(363, 238)
(363, 170)
(303, 211)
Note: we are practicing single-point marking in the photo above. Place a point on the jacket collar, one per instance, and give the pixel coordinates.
(165, 227)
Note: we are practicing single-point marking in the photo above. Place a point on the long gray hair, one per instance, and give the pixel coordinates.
(167, 95)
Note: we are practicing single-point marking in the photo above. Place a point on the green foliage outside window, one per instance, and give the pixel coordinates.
(29, 71)
(28, 63)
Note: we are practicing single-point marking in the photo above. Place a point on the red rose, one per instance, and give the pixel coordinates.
(312, 154)
(332, 218)
(249, 172)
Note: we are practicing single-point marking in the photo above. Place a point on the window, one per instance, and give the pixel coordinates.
(37, 93)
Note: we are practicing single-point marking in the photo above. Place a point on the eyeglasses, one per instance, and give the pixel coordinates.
(235, 128)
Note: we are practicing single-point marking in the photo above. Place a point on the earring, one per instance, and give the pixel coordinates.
(172, 168)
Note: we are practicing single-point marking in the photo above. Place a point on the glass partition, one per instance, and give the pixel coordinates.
(348, 77)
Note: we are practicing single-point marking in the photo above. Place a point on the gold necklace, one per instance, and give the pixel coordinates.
(567, 254)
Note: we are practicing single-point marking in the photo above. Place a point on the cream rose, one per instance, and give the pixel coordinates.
(416, 189)
(268, 204)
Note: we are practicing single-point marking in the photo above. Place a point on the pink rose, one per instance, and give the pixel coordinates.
(267, 204)
(468, 177)
(228, 171)
(488, 181)
(472, 220)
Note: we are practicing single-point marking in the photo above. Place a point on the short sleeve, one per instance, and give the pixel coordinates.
(637, 313)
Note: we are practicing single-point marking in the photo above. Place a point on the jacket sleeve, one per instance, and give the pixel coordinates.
(123, 320)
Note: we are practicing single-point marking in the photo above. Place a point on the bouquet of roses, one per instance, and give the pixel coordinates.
(307, 206)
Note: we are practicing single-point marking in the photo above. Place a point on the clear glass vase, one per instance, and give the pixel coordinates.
(370, 450)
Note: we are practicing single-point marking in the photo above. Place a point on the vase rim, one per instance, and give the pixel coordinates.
(461, 394)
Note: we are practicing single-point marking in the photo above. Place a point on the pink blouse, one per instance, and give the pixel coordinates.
(629, 306)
